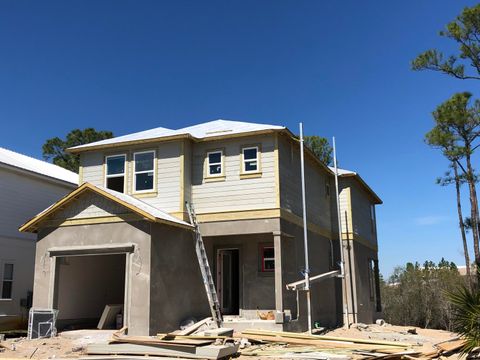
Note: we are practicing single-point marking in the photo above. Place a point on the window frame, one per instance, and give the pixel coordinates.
(244, 161)
(263, 258)
(134, 172)
(106, 176)
(222, 164)
(3, 280)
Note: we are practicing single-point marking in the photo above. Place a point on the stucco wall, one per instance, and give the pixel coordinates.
(177, 290)
(257, 288)
(365, 305)
(325, 295)
(87, 236)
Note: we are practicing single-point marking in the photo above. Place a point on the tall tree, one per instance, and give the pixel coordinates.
(55, 148)
(465, 31)
(320, 147)
(457, 180)
(456, 132)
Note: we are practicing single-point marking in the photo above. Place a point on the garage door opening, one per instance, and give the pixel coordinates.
(84, 285)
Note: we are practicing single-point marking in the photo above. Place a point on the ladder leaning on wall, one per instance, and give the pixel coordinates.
(205, 268)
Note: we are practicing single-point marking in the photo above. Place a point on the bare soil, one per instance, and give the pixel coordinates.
(71, 344)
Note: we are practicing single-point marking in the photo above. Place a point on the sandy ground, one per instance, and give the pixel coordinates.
(70, 345)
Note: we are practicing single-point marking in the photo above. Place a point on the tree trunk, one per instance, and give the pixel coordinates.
(460, 220)
(474, 206)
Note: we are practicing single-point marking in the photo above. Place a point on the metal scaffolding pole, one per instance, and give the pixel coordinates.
(346, 321)
(305, 234)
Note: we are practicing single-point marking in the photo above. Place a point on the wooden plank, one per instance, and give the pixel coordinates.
(109, 316)
(324, 344)
(194, 327)
(324, 337)
(200, 352)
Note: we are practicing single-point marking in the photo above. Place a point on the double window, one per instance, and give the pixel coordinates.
(7, 281)
(215, 163)
(115, 172)
(250, 162)
(144, 171)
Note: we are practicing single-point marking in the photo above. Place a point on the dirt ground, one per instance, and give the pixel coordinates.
(71, 344)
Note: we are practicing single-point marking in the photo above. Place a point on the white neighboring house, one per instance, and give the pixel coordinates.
(27, 186)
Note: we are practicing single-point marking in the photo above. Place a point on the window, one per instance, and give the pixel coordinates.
(144, 171)
(214, 159)
(371, 278)
(115, 172)
(327, 188)
(372, 218)
(7, 281)
(250, 159)
(268, 258)
(374, 283)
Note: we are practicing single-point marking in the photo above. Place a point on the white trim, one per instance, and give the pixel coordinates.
(116, 175)
(154, 170)
(215, 163)
(244, 161)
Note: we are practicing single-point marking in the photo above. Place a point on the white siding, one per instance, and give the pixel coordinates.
(168, 181)
(234, 194)
(22, 196)
(90, 205)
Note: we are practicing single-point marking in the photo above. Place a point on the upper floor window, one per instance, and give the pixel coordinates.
(7, 281)
(372, 219)
(115, 172)
(215, 163)
(144, 171)
(250, 159)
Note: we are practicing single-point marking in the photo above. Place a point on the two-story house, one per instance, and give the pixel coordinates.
(27, 186)
(123, 236)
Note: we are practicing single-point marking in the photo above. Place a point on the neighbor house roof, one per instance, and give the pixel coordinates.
(133, 204)
(348, 173)
(204, 131)
(27, 163)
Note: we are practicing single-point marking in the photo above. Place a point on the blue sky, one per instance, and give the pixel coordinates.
(341, 67)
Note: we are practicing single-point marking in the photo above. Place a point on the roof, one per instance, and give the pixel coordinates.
(135, 205)
(203, 131)
(31, 164)
(348, 173)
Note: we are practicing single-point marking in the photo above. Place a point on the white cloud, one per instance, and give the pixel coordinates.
(430, 220)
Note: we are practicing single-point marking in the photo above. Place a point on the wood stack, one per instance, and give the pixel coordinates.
(172, 345)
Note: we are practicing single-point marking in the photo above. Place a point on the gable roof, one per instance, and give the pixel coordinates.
(135, 205)
(27, 163)
(203, 131)
(348, 173)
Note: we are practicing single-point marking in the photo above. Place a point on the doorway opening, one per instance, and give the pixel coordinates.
(84, 284)
(228, 281)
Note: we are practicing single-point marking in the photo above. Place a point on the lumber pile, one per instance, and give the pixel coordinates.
(171, 345)
(297, 345)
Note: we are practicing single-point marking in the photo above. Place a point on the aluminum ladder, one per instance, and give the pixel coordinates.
(205, 268)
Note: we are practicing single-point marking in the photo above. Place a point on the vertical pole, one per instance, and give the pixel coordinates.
(305, 233)
(340, 241)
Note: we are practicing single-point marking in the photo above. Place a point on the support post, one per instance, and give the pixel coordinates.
(279, 288)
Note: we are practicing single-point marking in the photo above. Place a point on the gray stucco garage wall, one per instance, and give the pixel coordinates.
(177, 290)
(96, 237)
